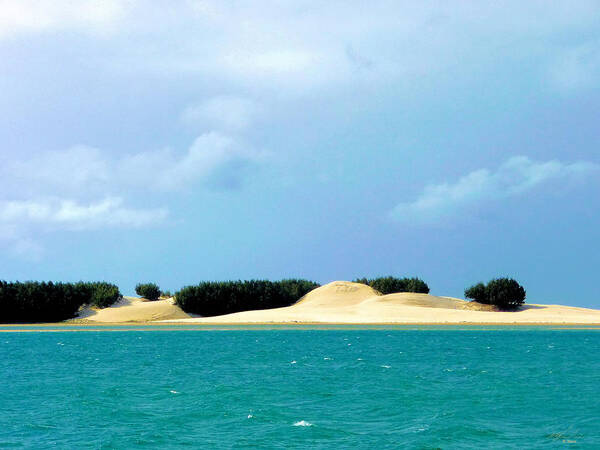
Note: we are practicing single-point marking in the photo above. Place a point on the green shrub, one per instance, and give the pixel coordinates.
(104, 294)
(505, 293)
(389, 285)
(166, 294)
(477, 293)
(149, 291)
(224, 297)
(34, 301)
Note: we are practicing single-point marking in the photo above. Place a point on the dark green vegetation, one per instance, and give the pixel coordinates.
(505, 293)
(389, 285)
(224, 297)
(34, 301)
(149, 291)
(101, 294)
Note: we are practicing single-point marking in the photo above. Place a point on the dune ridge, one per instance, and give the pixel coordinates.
(133, 309)
(344, 302)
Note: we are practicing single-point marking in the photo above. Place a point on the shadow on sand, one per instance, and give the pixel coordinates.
(526, 307)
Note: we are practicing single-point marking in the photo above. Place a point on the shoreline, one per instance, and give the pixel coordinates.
(580, 325)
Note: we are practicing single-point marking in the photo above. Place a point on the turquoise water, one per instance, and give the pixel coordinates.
(300, 388)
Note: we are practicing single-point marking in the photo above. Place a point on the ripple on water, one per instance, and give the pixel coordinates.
(108, 390)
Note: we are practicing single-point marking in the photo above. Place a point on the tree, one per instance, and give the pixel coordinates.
(149, 291)
(213, 298)
(105, 294)
(505, 293)
(477, 293)
(35, 301)
(389, 285)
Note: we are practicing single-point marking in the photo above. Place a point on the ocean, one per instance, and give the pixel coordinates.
(308, 387)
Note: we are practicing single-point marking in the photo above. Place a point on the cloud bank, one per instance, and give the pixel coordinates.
(266, 43)
(516, 176)
(83, 188)
(215, 66)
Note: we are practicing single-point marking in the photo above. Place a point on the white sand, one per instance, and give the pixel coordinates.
(132, 309)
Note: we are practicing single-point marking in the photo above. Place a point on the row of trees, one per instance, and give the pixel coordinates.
(505, 293)
(389, 285)
(214, 298)
(35, 301)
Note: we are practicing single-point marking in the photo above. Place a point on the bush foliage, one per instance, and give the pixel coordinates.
(505, 293)
(389, 285)
(103, 294)
(149, 291)
(212, 298)
(35, 301)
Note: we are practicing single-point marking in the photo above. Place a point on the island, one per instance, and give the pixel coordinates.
(344, 302)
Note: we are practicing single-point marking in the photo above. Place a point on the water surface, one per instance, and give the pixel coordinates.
(280, 387)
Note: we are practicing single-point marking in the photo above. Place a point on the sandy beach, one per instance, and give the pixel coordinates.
(342, 302)
(133, 309)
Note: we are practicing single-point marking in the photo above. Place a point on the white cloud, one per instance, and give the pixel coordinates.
(308, 43)
(166, 171)
(82, 188)
(223, 113)
(90, 16)
(21, 220)
(71, 215)
(517, 175)
(79, 168)
(84, 172)
(271, 62)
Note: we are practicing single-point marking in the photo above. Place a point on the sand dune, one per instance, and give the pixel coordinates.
(132, 309)
(347, 303)
(353, 303)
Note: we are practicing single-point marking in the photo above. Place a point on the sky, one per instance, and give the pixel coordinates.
(183, 141)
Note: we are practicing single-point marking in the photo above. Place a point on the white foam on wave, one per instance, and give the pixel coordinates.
(302, 423)
(174, 392)
(386, 367)
(250, 416)
(293, 362)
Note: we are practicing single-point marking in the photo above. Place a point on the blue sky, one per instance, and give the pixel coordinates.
(183, 141)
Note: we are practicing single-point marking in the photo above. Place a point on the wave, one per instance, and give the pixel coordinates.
(303, 423)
